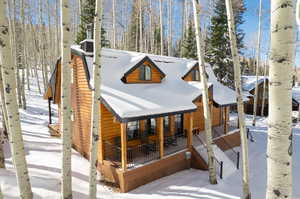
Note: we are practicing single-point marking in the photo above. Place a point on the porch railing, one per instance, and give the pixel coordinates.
(233, 155)
(219, 164)
(136, 156)
(174, 143)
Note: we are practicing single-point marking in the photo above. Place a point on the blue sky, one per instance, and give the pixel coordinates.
(250, 26)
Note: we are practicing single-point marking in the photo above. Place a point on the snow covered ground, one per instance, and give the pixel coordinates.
(43, 155)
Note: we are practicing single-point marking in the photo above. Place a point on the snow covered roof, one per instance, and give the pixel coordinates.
(137, 101)
(248, 82)
(222, 95)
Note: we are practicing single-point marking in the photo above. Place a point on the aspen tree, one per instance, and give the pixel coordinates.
(257, 63)
(240, 105)
(264, 91)
(170, 29)
(205, 98)
(66, 186)
(281, 63)
(96, 96)
(23, 55)
(161, 28)
(298, 23)
(14, 125)
(114, 23)
(141, 26)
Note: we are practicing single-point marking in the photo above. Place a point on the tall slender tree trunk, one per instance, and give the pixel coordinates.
(205, 98)
(141, 26)
(114, 22)
(281, 62)
(257, 63)
(96, 96)
(240, 104)
(161, 28)
(66, 186)
(170, 29)
(264, 91)
(14, 125)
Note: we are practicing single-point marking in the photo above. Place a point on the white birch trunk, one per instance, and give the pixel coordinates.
(170, 29)
(14, 125)
(66, 186)
(264, 91)
(96, 96)
(281, 62)
(141, 26)
(205, 98)
(114, 22)
(257, 63)
(240, 104)
(161, 28)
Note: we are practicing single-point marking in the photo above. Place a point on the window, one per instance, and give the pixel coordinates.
(151, 126)
(145, 72)
(195, 75)
(166, 124)
(133, 130)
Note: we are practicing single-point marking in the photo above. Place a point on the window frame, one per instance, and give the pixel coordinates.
(145, 73)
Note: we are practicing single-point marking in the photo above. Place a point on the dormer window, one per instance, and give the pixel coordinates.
(145, 73)
(195, 75)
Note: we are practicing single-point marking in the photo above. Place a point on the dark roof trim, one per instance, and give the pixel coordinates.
(143, 117)
(146, 58)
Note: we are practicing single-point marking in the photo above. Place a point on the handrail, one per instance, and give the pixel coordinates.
(249, 134)
(237, 153)
(216, 160)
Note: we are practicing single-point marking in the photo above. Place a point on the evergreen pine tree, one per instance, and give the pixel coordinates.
(218, 52)
(87, 17)
(188, 46)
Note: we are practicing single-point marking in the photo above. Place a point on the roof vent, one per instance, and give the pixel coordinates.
(88, 44)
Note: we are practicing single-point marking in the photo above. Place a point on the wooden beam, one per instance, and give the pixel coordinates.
(142, 126)
(160, 127)
(190, 131)
(124, 146)
(172, 124)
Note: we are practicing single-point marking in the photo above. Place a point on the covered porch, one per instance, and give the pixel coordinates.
(143, 141)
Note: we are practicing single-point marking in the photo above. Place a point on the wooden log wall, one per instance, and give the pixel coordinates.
(134, 76)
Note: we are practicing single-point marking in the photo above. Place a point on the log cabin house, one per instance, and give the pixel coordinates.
(248, 86)
(151, 113)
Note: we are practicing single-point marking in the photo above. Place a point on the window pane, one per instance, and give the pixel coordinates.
(147, 73)
(142, 73)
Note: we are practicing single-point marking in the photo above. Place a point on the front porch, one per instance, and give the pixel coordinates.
(141, 142)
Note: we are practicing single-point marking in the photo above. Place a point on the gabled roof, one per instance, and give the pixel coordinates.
(248, 82)
(222, 95)
(131, 102)
(137, 61)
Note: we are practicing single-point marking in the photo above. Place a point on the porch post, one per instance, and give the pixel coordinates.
(172, 124)
(225, 120)
(160, 127)
(124, 146)
(190, 131)
(49, 107)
